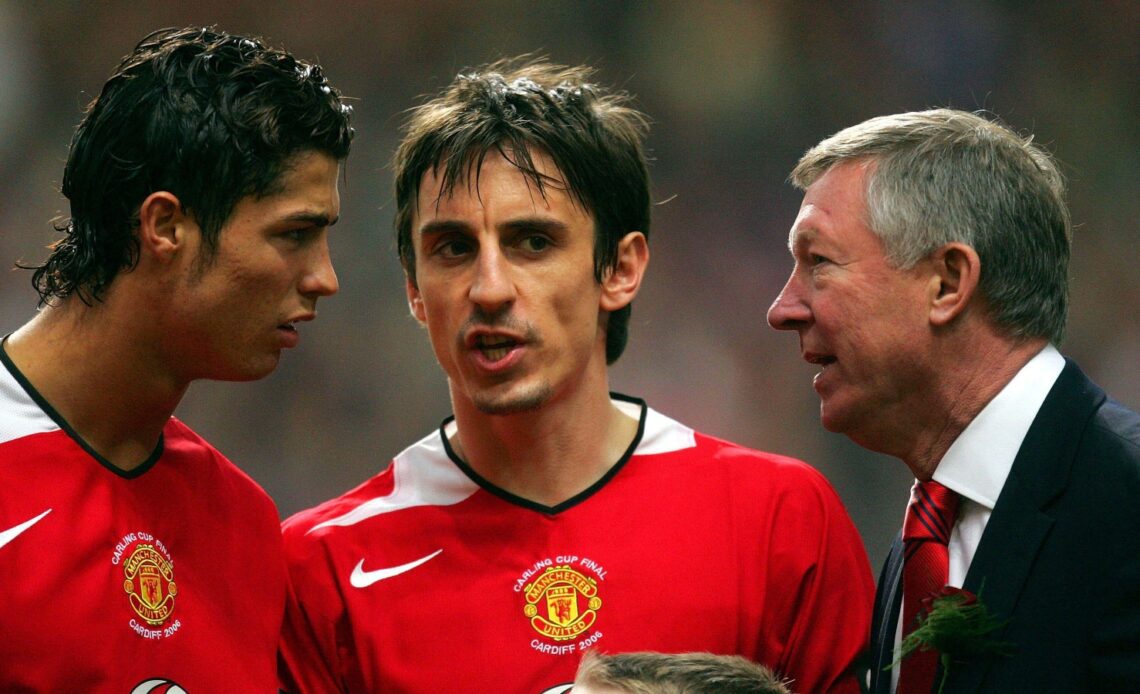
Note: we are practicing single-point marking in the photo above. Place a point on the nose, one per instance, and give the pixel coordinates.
(320, 280)
(789, 311)
(492, 286)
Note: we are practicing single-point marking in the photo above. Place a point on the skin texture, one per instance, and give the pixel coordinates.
(506, 265)
(505, 286)
(908, 357)
(864, 322)
(116, 369)
(270, 267)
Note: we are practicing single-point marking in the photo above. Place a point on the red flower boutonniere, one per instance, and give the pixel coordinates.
(957, 624)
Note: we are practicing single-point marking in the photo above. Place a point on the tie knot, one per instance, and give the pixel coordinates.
(931, 513)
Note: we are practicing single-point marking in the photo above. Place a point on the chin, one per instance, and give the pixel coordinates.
(248, 372)
(833, 419)
(830, 425)
(513, 403)
(858, 424)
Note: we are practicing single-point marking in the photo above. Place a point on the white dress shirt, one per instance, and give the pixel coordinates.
(978, 462)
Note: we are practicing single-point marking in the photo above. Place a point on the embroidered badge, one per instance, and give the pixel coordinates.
(562, 603)
(148, 580)
(150, 584)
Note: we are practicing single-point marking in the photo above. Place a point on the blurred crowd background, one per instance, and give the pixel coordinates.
(736, 90)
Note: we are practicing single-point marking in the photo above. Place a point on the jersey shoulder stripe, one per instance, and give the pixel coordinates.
(662, 434)
(423, 475)
(20, 415)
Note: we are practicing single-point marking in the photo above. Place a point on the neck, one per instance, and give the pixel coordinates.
(547, 455)
(963, 389)
(100, 375)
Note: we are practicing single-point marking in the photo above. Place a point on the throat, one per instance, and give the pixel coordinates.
(543, 460)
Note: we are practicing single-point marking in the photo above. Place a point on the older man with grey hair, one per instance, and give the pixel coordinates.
(929, 286)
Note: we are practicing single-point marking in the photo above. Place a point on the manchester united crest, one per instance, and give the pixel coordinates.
(150, 584)
(148, 581)
(562, 602)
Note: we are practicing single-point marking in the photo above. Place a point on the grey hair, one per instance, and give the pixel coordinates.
(943, 176)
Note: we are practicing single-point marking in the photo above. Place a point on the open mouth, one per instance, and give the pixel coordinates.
(494, 347)
(287, 326)
(821, 360)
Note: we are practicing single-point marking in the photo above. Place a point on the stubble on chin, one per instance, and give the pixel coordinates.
(513, 403)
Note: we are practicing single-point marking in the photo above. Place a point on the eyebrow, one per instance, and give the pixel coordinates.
(536, 224)
(315, 218)
(442, 226)
(445, 226)
(800, 237)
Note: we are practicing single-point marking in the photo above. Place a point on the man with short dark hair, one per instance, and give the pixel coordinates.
(135, 557)
(549, 515)
(930, 284)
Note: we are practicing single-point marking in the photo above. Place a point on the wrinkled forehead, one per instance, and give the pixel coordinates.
(833, 204)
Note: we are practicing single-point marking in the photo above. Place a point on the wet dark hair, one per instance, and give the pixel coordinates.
(208, 116)
(519, 106)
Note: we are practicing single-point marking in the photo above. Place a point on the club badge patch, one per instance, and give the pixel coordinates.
(148, 581)
(562, 599)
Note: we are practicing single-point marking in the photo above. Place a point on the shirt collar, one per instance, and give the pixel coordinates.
(978, 462)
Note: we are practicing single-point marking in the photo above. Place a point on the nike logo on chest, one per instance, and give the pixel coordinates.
(11, 533)
(362, 579)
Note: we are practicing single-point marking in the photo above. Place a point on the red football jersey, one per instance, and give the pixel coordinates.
(169, 578)
(429, 579)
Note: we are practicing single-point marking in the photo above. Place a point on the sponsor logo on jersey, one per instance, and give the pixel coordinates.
(562, 603)
(158, 686)
(148, 581)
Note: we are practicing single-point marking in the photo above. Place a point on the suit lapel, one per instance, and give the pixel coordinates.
(1018, 525)
(884, 622)
(1006, 553)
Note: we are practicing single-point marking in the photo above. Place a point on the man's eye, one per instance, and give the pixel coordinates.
(817, 259)
(453, 248)
(535, 243)
(297, 235)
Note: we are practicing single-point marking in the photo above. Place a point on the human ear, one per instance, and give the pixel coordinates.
(163, 225)
(956, 272)
(415, 300)
(622, 281)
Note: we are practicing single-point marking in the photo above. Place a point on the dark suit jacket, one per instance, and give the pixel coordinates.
(1059, 559)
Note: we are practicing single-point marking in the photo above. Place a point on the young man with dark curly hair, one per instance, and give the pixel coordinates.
(202, 183)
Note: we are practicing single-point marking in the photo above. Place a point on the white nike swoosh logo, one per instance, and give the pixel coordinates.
(362, 579)
(11, 533)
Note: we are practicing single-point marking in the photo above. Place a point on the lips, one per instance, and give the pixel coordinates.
(288, 330)
(823, 360)
(494, 347)
(290, 324)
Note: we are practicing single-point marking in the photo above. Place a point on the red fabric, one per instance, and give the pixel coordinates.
(171, 576)
(692, 544)
(926, 532)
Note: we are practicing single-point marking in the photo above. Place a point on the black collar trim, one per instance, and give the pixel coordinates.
(58, 419)
(572, 501)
